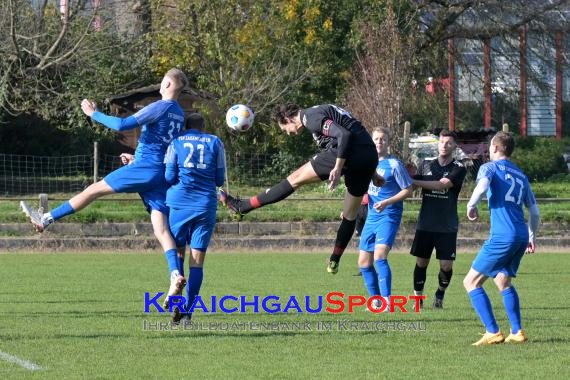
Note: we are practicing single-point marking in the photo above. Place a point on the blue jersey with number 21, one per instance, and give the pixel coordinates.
(161, 121)
(195, 165)
(508, 191)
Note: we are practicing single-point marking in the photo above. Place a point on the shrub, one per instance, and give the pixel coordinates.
(539, 157)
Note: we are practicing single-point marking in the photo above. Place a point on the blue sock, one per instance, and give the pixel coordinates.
(180, 265)
(370, 280)
(62, 210)
(384, 277)
(171, 260)
(193, 286)
(482, 305)
(513, 308)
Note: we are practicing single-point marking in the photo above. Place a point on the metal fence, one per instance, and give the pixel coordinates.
(26, 175)
(21, 174)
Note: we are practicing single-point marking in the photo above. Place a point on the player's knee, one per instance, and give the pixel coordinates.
(446, 266)
(502, 281)
(297, 181)
(364, 260)
(304, 175)
(197, 258)
(468, 284)
(421, 262)
(381, 252)
(351, 206)
(350, 214)
(91, 191)
(161, 232)
(97, 189)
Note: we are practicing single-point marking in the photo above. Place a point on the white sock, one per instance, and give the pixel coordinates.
(47, 219)
(174, 275)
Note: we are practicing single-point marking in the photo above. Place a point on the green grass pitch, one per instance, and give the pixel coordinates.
(80, 315)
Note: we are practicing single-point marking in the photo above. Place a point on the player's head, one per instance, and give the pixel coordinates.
(381, 138)
(173, 82)
(195, 121)
(447, 143)
(287, 116)
(502, 145)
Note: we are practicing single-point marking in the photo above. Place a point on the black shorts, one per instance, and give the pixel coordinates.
(358, 170)
(445, 244)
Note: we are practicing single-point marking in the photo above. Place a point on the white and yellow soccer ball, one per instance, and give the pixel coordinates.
(239, 117)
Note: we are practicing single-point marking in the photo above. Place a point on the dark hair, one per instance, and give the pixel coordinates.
(506, 141)
(195, 121)
(448, 133)
(282, 112)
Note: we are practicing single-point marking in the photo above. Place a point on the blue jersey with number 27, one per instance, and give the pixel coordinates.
(509, 189)
(161, 121)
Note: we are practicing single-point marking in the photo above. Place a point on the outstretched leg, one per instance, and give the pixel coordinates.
(78, 202)
(302, 176)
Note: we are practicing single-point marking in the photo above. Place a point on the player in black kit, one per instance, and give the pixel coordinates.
(346, 149)
(441, 180)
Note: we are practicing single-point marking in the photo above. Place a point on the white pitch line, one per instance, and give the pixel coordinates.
(22, 363)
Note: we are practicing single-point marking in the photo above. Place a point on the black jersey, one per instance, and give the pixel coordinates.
(333, 127)
(439, 207)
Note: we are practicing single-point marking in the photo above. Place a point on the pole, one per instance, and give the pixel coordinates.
(523, 81)
(95, 161)
(406, 147)
(487, 81)
(43, 203)
(558, 40)
(451, 77)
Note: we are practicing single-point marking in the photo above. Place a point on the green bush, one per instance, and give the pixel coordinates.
(539, 157)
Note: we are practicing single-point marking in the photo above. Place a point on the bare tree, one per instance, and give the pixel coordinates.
(376, 95)
(43, 43)
(472, 21)
(440, 20)
(382, 77)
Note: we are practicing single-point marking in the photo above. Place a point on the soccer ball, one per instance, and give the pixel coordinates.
(239, 117)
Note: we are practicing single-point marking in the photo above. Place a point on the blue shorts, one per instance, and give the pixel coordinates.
(381, 231)
(192, 227)
(145, 179)
(495, 257)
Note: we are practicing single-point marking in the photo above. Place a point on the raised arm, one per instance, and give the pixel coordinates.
(115, 123)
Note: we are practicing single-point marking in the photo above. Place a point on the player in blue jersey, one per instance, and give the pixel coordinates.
(195, 167)
(385, 207)
(160, 122)
(507, 190)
